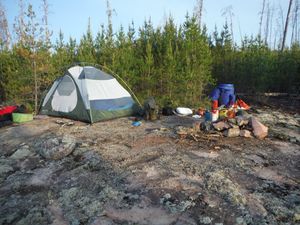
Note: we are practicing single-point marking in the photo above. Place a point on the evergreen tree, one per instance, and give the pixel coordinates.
(173, 63)
(86, 48)
(5, 37)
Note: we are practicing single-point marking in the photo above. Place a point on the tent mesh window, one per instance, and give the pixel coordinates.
(66, 86)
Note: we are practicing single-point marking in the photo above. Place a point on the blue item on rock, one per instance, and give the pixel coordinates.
(136, 123)
(224, 93)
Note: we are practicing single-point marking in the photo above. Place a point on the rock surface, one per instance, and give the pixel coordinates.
(111, 173)
(21, 153)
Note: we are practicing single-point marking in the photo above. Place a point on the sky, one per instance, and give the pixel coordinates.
(71, 16)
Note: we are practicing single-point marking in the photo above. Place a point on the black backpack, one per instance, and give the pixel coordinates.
(151, 109)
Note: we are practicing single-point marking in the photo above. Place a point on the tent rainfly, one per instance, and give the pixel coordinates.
(87, 94)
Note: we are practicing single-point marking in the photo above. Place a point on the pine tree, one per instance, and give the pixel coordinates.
(47, 33)
(19, 25)
(198, 11)
(169, 62)
(5, 37)
(197, 61)
(86, 49)
(33, 43)
(61, 58)
(286, 24)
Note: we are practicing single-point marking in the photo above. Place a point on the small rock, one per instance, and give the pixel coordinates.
(256, 159)
(220, 126)
(297, 217)
(167, 196)
(21, 153)
(60, 122)
(232, 121)
(260, 131)
(206, 220)
(84, 145)
(132, 196)
(245, 133)
(184, 205)
(64, 123)
(240, 221)
(210, 155)
(242, 121)
(182, 133)
(233, 132)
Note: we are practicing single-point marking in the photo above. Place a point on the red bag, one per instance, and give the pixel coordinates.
(242, 104)
(7, 110)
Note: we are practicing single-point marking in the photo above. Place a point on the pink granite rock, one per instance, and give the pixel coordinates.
(221, 126)
(260, 131)
(245, 133)
(232, 132)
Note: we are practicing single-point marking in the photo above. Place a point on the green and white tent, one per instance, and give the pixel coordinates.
(87, 94)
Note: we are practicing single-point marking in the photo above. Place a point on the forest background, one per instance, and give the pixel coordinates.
(177, 64)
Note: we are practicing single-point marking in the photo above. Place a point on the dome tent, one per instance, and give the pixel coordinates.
(88, 94)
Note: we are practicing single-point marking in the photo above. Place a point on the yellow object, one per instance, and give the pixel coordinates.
(223, 113)
(22, 117)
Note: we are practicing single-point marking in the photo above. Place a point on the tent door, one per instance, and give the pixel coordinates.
(65, 96)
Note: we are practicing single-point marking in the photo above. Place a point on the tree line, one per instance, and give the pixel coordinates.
(176, 64)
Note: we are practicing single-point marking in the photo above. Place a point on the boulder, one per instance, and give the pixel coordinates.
(245, 133)
(259, 130)
(58, 148)
(232, 132)
(220, 126)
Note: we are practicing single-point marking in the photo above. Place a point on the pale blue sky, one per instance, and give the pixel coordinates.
(71, 16)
